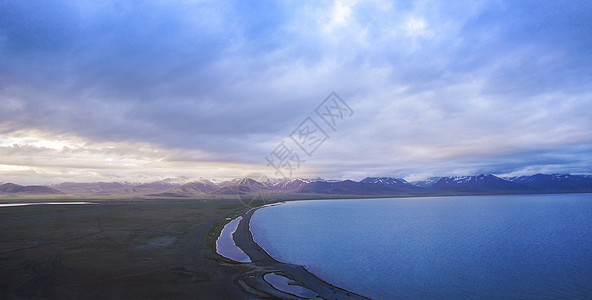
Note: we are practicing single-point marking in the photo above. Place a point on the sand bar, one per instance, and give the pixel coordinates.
(263, 263)
(43, 203)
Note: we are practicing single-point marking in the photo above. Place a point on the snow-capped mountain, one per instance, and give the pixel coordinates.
(480, 184)
(384, 180)
(556, 182)
(426, 183)
(290, 184)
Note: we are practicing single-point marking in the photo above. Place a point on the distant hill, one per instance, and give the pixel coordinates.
(203, 186)
(150, 187)
(95, 188)
(11, 188)
(116, 188)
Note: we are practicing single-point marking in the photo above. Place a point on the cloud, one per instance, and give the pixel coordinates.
(462, 86)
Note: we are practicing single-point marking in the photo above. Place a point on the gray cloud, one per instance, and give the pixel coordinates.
(466, 86)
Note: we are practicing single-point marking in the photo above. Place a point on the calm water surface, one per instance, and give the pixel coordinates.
(492, 247)
(225, 245)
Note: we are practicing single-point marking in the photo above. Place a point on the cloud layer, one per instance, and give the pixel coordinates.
(137, 91)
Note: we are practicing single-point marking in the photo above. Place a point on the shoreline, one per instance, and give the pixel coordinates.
(262, 263)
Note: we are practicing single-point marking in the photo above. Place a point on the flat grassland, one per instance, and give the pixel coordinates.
(116, 249)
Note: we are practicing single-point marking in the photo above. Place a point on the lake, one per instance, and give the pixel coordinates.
(485, 247)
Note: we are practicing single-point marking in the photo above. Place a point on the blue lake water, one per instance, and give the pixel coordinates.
(481, 247)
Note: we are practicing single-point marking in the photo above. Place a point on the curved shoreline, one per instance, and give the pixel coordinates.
(262, 263)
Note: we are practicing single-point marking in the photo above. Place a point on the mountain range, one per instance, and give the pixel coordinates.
(374, 186)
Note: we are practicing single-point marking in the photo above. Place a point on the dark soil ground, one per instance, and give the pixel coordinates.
(116, 249)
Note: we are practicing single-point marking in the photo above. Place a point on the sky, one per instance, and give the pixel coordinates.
(144, 90)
